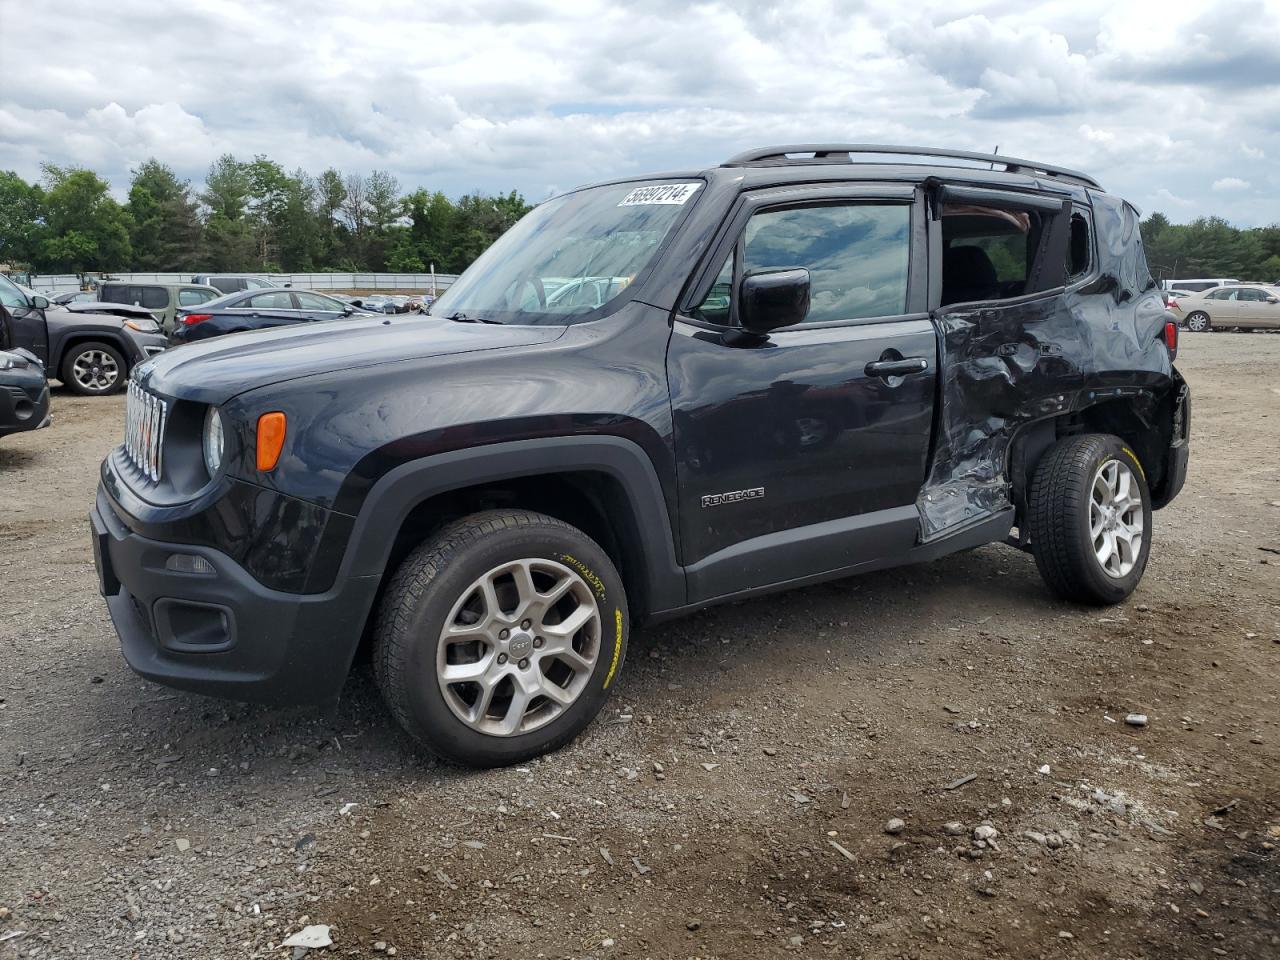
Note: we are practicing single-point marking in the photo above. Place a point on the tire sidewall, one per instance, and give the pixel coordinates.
(68, 362)
(443, 731)
(1114, 589)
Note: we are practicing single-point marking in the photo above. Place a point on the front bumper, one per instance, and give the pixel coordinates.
(24, 401)
(223, 633)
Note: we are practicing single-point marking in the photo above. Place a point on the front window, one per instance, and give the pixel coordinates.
(570, 256)
(10, 295)
(276, 300)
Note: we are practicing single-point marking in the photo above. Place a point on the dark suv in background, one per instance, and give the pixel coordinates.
(803, 364)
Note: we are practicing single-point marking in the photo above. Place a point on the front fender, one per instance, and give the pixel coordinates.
(391, 500)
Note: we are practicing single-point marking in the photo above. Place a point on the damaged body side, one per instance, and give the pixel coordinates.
(1017, 374)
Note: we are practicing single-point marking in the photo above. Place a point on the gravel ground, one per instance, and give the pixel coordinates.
(925, 763)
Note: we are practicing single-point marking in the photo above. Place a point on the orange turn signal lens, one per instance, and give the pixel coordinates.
(271, 427)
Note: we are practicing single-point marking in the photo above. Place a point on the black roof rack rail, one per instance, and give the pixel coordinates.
(781, 155)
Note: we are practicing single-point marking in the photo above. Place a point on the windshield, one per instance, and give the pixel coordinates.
(570, 256)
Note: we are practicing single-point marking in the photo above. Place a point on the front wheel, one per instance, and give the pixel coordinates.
(93, 369)
(500, 637)
(1089, 516)
(1198, 322)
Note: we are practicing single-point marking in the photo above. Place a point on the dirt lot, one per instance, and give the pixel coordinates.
(733, 801)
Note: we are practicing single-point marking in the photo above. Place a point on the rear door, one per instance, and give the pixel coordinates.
(1013, 351)
(795, 456)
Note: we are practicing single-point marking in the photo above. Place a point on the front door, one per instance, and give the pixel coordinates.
(25, 324)
(802, 451)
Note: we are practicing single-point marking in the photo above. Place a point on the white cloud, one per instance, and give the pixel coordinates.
(541, 95)
(1230, 184)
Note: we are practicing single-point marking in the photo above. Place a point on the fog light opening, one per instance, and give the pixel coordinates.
(188, 563)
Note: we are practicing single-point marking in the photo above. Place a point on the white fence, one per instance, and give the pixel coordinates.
(66, 283)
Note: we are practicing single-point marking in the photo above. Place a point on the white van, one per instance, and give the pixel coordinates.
(1197, 285)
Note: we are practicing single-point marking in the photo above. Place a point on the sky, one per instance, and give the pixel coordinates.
(1175, 106)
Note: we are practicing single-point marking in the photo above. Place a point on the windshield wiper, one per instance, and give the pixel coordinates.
(463, 318)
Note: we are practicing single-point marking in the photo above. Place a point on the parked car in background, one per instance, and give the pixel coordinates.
(1248, 307)
(24, 392)
(76, 296)
(91, 352)
(375, 303)
(258, 310)
(233, 282)
(1170, 296)
(162, 299)
(1198, 284)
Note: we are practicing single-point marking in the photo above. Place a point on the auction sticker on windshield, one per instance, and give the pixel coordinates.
(674, 193)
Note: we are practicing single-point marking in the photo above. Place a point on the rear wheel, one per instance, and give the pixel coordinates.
(93, 369)
(1089, 516)
(1198, 322)
(499, 638)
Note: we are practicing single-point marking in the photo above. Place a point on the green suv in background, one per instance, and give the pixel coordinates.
(162, 299)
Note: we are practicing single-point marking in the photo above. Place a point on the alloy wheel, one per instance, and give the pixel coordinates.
(1116, 523)
(96, 370)
(519, 647)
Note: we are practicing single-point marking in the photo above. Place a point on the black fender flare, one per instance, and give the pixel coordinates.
(395, 495)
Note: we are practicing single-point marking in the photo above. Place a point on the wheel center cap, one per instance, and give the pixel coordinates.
(520, 645)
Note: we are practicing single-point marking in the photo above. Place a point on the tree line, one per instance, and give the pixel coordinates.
(1210, 247)
(251, 216)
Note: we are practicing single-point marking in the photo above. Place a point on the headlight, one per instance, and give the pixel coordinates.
(10, 361)
(214, 441)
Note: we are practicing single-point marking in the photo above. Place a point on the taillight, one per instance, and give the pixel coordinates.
(1171, 338)
(191, 319)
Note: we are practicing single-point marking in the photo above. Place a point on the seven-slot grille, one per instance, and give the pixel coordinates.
(145, 416)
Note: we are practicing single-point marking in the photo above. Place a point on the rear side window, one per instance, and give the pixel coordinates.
(189, 298)
(112, 293)
(153, 298)
(225, 284)
(986, 251)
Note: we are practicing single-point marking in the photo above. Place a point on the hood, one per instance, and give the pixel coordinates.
(213, 371)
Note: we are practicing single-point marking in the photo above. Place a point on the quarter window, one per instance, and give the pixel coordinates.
(1078, 253)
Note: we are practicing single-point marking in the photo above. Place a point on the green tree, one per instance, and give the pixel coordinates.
(166, 227)
(22, 216)
(87, 229)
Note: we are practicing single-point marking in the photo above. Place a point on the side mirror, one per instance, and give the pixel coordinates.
(773, 299)
(348, 310)
(39, 302)
(1273, 299)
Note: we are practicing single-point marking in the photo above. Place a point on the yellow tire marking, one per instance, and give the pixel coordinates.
(1136, 462)
(617, 648)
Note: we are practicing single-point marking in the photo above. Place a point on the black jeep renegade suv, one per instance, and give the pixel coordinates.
(649, 396)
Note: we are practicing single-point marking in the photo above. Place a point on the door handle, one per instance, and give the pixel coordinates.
(896, 368)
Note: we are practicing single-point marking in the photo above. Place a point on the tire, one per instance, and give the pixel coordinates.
(93, 369)
(1066, 508)
(479, 723)
(1199, 322)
